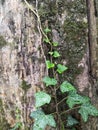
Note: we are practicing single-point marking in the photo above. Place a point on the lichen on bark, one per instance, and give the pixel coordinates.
(2, 42)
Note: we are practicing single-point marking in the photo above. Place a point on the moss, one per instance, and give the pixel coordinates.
(3, 123)
(73, 38)
(48, 10)
(2, 41)
(72, 34)
(25, 86)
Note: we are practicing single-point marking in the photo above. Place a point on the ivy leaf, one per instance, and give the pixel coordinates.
(42, 120)
(49, 64)
(39, 118)
(55, 43)
(73, 128)
(86, 110)
(66, 87)
(42, 98)
(47, 30)
(36, 127)
(56, 54)
(61, 68)
(51, 53)
(36, 114)
(46, 40)
(51, 120)
(75, 98)
(71, 121)
(49, 81)
(17, 126)
(84, 113)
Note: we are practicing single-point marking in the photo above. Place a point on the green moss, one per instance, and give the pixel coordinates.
(76, 31)
(72, 34)
(3, 123)
(47, 10)
(2, 41)
(25, 86)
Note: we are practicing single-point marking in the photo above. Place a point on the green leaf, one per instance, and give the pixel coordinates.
(66, 87)
(73, 128)
(71, 121)
(55, 43)
(86, 110)
(40, 123)
(56, 54)
(51, 53)
(42, 120)
(61, 68)
(49, 64)
(36, 127)
(46, 40)
(74, 98)
(36, 114)
(42, 98)
(51, 121)
(84, 113)
(17, 126)
(47, 30)
(49, 81)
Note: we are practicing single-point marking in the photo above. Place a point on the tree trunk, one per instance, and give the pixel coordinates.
(92, 38)
(21, 62)
(93, 62)
(23, 54)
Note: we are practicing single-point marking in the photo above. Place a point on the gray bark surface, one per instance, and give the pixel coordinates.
(23, 55)
(21, 60)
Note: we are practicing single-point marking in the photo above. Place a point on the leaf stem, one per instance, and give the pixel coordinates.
(62, 100)
(69, 110)
(53, 113)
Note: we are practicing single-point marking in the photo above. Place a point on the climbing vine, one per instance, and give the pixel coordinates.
(72, 99)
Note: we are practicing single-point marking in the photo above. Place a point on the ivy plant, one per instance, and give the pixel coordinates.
(73, 100)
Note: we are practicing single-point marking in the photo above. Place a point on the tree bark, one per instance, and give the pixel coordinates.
(21, 62)
(92, 38)
(23, 54)
(92, 124)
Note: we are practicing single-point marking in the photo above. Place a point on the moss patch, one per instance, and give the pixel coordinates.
(25, 86)
(2, 41)
(3, 123)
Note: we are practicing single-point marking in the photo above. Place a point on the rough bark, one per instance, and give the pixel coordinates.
(21, 61)
(92, 37)
(92, 124)
(22, 58)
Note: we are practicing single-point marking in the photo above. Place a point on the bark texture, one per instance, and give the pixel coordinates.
(21, 61)
(22, 53)
(93, 61)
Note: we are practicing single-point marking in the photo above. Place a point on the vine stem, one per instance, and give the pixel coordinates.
(69, 110)
(57, 109)
(38, 17)
(66, 110)
(62, 100)
(35, 11)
